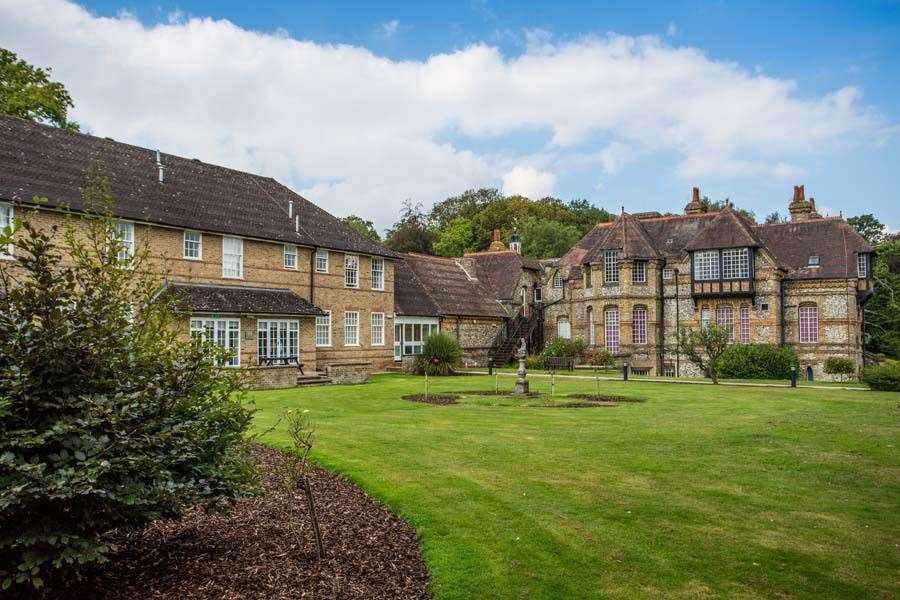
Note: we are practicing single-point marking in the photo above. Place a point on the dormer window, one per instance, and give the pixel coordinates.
(611, 266)
(813, 260)
(862, 265)
(736, 263)
(706, 265)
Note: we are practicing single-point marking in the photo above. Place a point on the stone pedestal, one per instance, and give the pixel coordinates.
(521, 381)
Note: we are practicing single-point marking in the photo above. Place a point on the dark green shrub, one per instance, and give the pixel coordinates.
(757, 361)
(602, 358)
(884, 377)
(561, 347)
(841, 366)
(440, 354)
(112, 417)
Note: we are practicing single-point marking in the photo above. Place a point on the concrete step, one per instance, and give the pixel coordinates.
(314, 378)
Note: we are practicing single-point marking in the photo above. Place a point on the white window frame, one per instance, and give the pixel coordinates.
(862, 265)
(558, 280)
(124, 234)
(736, 263)
(323, 330)
(199, 245)
(563, 328)
(321, 261)
(6, 220)
(808, 324)
(704, 317)
(813, 260)
(228, 273)
(706, 265)
(287, 339)
(725, 319)
(376, 329)
(668, 273)
(290, 250)
(377, 273)
(611, 266)
(745, 325)
(354, 328)
(611, 329)
(639, 267)
(639, 325)
(220, 326)
(351, 259)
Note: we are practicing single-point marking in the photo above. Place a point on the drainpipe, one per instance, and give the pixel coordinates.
(312, 274)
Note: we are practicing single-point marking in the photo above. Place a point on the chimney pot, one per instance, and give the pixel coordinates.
(695, 196)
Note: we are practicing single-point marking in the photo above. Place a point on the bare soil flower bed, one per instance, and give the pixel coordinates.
(499, 393)
(603, 398)
(264, 548)
(440, 399)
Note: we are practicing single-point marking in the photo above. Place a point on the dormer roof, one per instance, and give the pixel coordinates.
(627, 235)
(728, 229)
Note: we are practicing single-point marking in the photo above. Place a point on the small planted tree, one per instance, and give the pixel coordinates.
(841, 366)
(301, 432)
(704, 348)
(601, 359)
(112, 417)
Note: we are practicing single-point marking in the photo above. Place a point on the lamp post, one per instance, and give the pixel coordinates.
(793, 376)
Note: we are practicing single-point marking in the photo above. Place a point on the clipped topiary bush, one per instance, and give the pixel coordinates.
(757, 361)
(440, 354)
(841, 366)
(884, 377)
(111, 418)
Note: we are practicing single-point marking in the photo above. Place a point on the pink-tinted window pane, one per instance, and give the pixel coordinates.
(745, 324)
(639, 325)
(611, 330)
(809, 324)
(725, 319)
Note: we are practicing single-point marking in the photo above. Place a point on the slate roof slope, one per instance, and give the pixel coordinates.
(236, 299)
(411, 298)
(832, 239)
(627, 234)
(500, 270)
(727, 229)
(450, 289)
(39, 160)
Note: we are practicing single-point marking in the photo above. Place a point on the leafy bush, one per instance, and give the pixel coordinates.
(111, 418)
(884, 377)
(704, 347)
(561, 347)
(841, 366)
(534, 362)
(602, 358)
(757, 361)
(440, 353)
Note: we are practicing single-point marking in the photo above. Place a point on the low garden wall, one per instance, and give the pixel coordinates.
(350, 371)
(275, 377)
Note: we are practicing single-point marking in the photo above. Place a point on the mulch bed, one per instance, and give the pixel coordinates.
(440, 399)
(264, 548)
(498, 393)
(603, 398)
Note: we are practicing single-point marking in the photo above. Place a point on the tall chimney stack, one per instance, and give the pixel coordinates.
(800, 208)
(694, 207)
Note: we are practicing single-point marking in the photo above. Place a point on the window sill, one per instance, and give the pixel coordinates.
(290, 268)
(352, 346)
(232, 276)
(323, 345)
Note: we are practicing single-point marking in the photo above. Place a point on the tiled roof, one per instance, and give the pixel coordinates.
(411, 297)
(447, 287)
(235, 299)
(834, 241)
(500, 270)
(727, 230)
(625, 233)
(38, 160)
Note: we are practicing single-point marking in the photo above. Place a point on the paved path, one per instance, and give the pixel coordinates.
(683, 381)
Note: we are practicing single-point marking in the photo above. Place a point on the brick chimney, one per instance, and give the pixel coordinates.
(694, 207)
(497, 244)
(800, 208)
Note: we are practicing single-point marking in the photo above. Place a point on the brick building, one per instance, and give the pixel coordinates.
(628, 285)
(262, 270)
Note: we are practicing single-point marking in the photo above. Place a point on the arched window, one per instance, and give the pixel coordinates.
(639, 325)
(745, 324)
(704, 317)
(725, 319)
(809, 324)
(611, 329)
(592, 329)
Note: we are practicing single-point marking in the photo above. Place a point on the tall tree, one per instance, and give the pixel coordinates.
(775, 217)
(547, 239)
(587, 215)
(455, 239)
(28, 93)
(411, 232)
(883, 309)
(366, 228)
(869, 227)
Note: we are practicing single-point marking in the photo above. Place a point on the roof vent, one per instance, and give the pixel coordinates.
(160, 167)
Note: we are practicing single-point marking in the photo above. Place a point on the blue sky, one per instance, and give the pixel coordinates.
(843, 145)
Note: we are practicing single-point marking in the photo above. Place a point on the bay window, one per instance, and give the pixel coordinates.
(736, 263)
(862, 265)
(224, 333)
(706, 265)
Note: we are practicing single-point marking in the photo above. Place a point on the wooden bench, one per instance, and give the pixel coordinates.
(559, 363)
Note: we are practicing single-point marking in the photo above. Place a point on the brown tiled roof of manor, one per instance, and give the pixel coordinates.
(500, 270)
(834, 241)
(237, 299)
(38, 160)
(447, 286)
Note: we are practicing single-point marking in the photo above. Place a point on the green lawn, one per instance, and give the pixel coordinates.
(697, 492)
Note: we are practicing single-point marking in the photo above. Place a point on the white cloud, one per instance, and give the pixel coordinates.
(528, 182)
(359, 132)
(389, 28)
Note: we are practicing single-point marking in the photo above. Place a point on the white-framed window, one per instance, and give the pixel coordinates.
(745, 325)
(704, 317)
(377, 273)
(736, 263)
(351, 270)
(6, 219)
(809, 324)
(862, 266)
(563, 328)
(668, 274)
(813, 260)
(232, 257)
(639, 271)
(377, 329)
(538, 294)
(639, 325)
(225, 333)
(193, 245)
(351, 328)
(290, 256)
(611, 266)
(124, 233)
(277, 340)
(321, 261)
(611, 329)
(706, 265)
(725, 319)
(558, 280)
(409, 338)
(323, 330)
